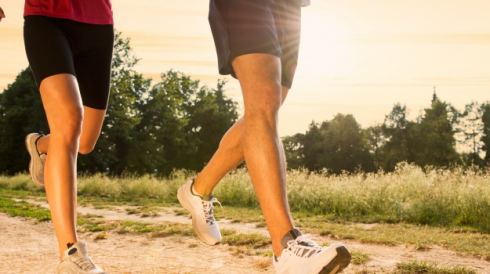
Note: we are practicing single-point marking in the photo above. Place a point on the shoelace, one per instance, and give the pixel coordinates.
(84, 263)
(208, 209)
(303, 246)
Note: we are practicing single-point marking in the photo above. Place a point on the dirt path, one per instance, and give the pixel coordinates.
(26, 247)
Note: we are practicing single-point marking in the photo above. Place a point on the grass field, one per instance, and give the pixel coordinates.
(446, 198)
(447, 208)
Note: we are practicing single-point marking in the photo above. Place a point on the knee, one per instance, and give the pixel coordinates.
(67, 136)
(85, 148)
(68, 127)
(266, 107)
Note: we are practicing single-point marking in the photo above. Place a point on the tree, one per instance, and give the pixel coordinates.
(436, 136)
(211, 114)
(470, 133)
(399, 145)
(375, 142)
(161, 136)
(21, 112)
(174, 124)
(181, 125)
(338, 145)
(294, 150)
(485, 138)
(313, 147)
(346, 148)
(112, 151)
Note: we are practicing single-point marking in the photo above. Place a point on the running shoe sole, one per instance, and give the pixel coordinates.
(35, 162)
(339, 263)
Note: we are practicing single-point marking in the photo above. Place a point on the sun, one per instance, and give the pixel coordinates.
(324, 45)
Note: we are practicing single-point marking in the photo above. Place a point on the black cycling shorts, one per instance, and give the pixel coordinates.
(56, 46)
(242, 27)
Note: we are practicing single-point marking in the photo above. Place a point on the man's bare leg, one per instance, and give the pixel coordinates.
(226, 158)
(231, 150)
(260, 79)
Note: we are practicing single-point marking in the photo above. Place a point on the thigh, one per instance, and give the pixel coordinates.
(260, 81)
(93, 64)
(47, 47)
(62, 102)
(50, 56)
(242, 27)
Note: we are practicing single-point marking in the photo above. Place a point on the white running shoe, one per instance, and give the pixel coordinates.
(36, 165)
(76, 261)
(301, 255)
(201, 209)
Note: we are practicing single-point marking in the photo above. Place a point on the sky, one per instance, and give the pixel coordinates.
(357, 57)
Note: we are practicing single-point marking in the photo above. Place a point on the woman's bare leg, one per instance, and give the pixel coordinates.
(91, 128)
(63, 106)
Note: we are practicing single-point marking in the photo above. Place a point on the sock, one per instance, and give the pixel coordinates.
(291, 235)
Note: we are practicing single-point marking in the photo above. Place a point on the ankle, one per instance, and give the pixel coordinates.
(279, 244)
(277, 250)
(200, 189)
(41, 145)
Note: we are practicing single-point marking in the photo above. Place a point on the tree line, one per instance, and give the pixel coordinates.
(432, 139)
(178, 124)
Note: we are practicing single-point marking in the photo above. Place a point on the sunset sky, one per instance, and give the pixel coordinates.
(357, 57)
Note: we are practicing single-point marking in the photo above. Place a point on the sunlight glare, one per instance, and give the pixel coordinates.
(323, 46)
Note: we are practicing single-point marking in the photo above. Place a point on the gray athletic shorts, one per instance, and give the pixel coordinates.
(242, 27)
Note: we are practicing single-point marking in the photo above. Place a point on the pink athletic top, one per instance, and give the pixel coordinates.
(97, 12)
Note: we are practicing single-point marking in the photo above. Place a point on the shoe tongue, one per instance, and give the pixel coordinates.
(76, 250)
(207, 198)
(291, 235)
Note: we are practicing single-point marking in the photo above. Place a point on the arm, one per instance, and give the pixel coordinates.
(2, 14)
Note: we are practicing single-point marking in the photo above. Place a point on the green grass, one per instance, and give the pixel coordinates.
(430, 268)
(94, 223)
(23, 209)
(240, 214)
(254, 240)
(448, 208)
(19, 182)
(144, 211)
(436, 197)
(87, 223)
(420, 237)
(466, 242)
(359, 257)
